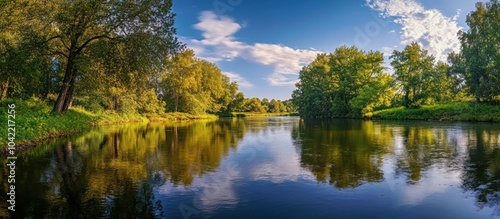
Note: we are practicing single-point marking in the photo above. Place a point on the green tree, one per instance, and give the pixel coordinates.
(413, 69)
(290, 107)
(24, 67)
(238, 103)
(255, 105)
(276, 106)
(180, 80)
(443, 86)
(314, 89)
(196, 86)
(346, 83)
(377, 92)
(480, 51)
(456, 71)
(68, 28)
(266, 104)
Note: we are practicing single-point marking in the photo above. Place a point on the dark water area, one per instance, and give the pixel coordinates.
(270, 167)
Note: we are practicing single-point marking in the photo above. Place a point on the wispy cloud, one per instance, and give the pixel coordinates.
(434, 31)
(219, 44)
(387, 51)
(242, 82)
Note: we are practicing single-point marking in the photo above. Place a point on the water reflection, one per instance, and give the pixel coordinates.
(420, 147)
(344, 153)
(481, 176)
(430, 157)
(111, 171)
(236, 166)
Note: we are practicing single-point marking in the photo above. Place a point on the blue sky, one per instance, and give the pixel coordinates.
(263, 44)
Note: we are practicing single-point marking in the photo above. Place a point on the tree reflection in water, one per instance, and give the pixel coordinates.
(111, 172)
(350, 153)
(117, 172)
(344, 153)
(481, 176)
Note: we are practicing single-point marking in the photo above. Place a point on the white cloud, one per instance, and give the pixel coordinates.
(436, 32)
(242, 82)
(285, 59)
(387, 51)
(219, 44)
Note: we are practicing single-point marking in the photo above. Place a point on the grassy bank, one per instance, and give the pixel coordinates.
(34, 121)
(457, 111)
(249, 114)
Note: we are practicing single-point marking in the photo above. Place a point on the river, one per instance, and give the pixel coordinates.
(269, 167)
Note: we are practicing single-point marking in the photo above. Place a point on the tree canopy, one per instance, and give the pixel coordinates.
(345, 83)
(480, 53)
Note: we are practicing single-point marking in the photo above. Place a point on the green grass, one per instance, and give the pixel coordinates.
(34, 121)
(455, 111)
(249, 114)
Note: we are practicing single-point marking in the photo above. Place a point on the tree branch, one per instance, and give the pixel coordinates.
(90, 40)
(60, 53)
(52, 38)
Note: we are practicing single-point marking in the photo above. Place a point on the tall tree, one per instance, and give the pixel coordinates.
(22, 64)
(314, 89)
(196, 86)
(413, 67)
(480, 51)
(341, 84)
(69, 27)
(180, 80)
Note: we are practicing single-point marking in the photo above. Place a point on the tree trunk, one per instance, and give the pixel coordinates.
(68, 75)
(69, 99)
(176, 102)
(407, 98)
(4, 89)
(69, 96)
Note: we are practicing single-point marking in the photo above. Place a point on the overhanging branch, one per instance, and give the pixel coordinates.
(90, 40)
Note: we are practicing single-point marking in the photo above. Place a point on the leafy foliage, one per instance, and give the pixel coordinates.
(413, 72)
(196, 86)
(479, 64)
(346, 83)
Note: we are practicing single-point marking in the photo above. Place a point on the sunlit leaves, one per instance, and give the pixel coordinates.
(196, 86)
(346, 83)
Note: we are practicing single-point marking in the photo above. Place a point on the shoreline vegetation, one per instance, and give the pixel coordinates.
(35, 122)
(452, 111)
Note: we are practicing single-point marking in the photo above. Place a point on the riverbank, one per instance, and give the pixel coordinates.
(455, 111)
(34, 121)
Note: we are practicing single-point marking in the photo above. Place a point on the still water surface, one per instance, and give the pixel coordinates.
(274, 167)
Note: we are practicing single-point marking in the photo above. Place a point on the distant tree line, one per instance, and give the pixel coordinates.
(352, 83)
(263, 106)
